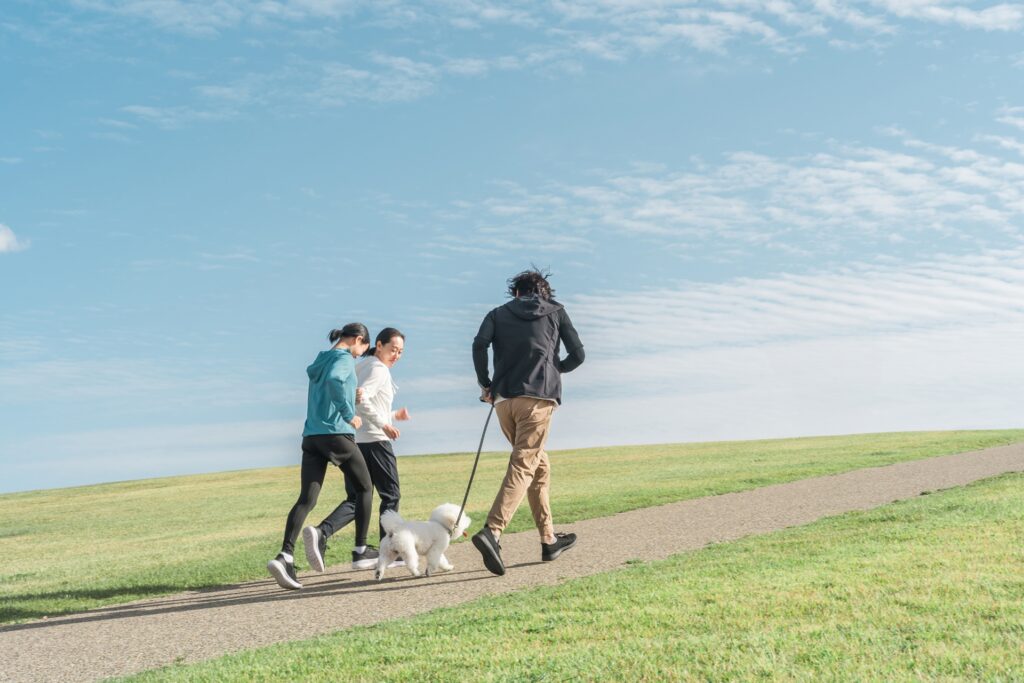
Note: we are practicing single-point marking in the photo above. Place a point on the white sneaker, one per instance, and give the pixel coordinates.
(397, 563)
(316, 547)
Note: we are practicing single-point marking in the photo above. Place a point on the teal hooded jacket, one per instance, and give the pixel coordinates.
(331, 404)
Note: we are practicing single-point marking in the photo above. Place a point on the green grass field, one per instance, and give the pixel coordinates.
(926, 589)
(74, 549)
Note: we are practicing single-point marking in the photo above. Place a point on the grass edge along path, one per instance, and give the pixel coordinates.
(927, 588)
(69, 550)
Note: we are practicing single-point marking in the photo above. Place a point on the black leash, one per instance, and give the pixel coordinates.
(475, 462)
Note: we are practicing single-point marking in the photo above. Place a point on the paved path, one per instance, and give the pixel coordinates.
(204, 624)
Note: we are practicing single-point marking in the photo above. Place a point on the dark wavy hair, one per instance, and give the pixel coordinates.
(383, 337)
(533, 281)
(350, 331)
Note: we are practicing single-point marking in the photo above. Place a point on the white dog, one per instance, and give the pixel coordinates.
(409, 540)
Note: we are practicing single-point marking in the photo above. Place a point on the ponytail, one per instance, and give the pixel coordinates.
(350, 331)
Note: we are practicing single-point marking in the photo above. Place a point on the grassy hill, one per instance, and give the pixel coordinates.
(73, 549)
(923, 589)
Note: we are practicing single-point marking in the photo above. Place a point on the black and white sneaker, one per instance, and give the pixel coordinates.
(316, 547)
(549, 551)
(283, 572)
(366, 559)
(490, 550)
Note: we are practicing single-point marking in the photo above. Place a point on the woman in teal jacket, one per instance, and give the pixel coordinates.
(329, 438)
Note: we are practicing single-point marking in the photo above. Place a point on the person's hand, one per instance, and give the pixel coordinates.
(360, 394)
(391, 432)
(402, 414)
(485, 395)
(356, 422)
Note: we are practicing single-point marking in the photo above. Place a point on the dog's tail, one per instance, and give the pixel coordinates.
(390, 520)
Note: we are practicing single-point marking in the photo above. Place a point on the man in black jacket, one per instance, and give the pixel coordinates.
(526, 334)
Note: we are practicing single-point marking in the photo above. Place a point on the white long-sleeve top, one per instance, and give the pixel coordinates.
(378, 394)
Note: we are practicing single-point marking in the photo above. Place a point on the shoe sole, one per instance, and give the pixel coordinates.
(280, 574)
(364, 564)
(491, 560)
(551, 558)
(311, 539)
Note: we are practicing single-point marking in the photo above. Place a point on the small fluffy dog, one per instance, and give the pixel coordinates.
(409, 540)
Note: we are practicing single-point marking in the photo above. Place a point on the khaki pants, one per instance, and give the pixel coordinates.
(525, 422)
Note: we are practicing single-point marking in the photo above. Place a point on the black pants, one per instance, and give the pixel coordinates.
(317, 453)
(380, 460)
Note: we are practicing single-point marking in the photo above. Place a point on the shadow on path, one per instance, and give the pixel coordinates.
(261, 592)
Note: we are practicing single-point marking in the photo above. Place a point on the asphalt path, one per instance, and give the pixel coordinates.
(198, 625)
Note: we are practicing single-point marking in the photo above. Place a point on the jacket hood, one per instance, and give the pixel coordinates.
(532, 307)
(322, 364)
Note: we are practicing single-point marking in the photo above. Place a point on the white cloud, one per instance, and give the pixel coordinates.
(1004, 142)
(553, 35)
(9, 242)
(859, 300)
(393, 79)
(10, 160)
(552, 39)
(467, 66)
(209, 18)
(176, 117)
(1012, 116)
(118, 124)
(1001, 17)
(812, 204)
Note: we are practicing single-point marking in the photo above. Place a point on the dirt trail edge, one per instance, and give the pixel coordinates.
(199, 625)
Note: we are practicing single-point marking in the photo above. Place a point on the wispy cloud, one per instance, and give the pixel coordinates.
(1000, 17)
(209, 18)
(210, 261)
(10, 160)
(812, 17)
(858, 300)
(558, 37)
(177, 116)
(9, 242)
(812, 205)
(394, 79)
(1012, 116)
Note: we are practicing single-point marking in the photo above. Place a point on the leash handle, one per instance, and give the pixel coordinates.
(475, 462)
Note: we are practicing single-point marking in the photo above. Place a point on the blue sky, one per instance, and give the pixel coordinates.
(767, 217)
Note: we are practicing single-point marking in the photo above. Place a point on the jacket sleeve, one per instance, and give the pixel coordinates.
(371, 386)
(571, 341)
(338, 388)
(483, 340)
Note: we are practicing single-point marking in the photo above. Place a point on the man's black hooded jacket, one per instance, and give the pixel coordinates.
(527, 334)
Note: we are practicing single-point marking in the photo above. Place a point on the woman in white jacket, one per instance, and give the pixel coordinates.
(377, 432)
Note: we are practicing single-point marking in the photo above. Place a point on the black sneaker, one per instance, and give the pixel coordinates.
(366, 559)
(549, 551)
(283, 572)
(316, 547)
(490, 549)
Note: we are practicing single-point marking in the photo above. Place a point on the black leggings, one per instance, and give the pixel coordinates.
(318, 452)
